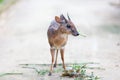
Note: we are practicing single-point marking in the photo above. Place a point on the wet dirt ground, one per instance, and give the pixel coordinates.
(23, 36)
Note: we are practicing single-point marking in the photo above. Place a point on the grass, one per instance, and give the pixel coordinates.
(78, 72)
(5, 5)
(38, 71)
(10, 73)
(1, 1)
(83, 35)
(41, 71)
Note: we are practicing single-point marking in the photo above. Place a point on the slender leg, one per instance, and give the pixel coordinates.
(56, 58)
(52, 55)
(62, 57)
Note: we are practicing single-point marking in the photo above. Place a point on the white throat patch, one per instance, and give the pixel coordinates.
(64, 35)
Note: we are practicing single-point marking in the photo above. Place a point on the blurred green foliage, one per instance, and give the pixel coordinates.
(112, 28)
(1, 1)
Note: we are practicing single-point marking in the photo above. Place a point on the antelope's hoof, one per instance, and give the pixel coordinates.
(54, 66)
(49, 74)
(64, 67)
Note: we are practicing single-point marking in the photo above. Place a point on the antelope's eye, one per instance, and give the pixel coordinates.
(68, 26)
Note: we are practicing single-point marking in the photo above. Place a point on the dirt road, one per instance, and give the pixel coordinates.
(23, 37)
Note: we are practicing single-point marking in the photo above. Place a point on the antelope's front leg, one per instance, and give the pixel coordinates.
(62, 57)
(52, 55)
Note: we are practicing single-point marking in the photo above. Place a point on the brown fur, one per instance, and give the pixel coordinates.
(58, 38)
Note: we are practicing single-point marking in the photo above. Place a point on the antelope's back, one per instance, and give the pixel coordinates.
(52, 28)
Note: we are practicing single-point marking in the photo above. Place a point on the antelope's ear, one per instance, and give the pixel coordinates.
(57, 19)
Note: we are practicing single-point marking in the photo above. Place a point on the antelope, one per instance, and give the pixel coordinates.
(57, 33)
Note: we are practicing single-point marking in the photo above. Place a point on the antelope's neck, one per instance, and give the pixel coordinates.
(61, 34)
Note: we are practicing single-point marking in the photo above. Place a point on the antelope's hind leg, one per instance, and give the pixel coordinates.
(56, 58)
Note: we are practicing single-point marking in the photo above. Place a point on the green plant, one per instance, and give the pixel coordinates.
(93, 77)
(1, 1)
(10, 73)
(39, 71)
(58, 70)
(42, 72)
(82, 34)
(82, 73)
(77, 71)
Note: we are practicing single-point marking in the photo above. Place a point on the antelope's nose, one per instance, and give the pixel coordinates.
(77, 34)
